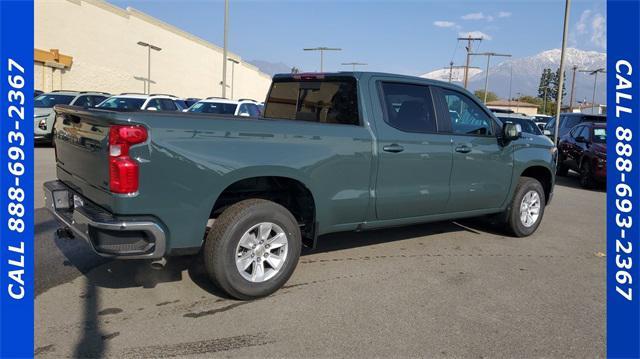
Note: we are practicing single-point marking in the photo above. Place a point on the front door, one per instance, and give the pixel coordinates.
(414, 165)
(482, 167)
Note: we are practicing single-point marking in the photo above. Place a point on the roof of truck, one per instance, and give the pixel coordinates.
(360, 74)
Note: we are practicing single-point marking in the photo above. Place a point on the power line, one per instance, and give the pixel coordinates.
(486, 76)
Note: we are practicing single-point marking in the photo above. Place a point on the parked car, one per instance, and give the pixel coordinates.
(584, 150)
(570, 120)
(37, 93)
(335, 152)
(542, 120)
(43, 114)
(500, 110)
(137, 101)
(221, 106)
(190, 101)
(526, 123)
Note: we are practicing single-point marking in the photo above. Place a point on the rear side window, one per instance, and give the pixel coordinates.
(466, 116)
(326, 101)
(570, 121)
(409, 107)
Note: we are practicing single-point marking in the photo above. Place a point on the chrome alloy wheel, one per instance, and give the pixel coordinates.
(530, 208)
(261, 252)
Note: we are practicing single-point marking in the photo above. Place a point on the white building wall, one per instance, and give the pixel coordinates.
(102, 39)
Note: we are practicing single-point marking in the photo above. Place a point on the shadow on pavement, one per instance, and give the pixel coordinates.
(571, 180)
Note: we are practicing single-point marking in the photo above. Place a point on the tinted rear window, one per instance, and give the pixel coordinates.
(122, 103)
(214, 107)
(326, 101)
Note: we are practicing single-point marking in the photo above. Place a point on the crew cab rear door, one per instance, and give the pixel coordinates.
(482, 167)
(414, 160)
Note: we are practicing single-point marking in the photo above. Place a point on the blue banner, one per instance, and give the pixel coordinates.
(16, 187)
(623, 179)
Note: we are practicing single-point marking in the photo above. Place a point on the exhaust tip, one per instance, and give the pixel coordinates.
(159, 264)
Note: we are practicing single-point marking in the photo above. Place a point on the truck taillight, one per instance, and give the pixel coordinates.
(123, 170)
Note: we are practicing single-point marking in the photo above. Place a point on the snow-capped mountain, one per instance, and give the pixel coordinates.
(457, 74)
(527, 71)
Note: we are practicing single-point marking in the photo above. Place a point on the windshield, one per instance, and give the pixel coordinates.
(214, 107)
(527, 126)
(600, 135)
(48, 100)
(122, 103)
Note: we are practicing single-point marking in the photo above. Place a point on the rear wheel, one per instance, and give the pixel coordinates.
(527, 208)
(252, 248)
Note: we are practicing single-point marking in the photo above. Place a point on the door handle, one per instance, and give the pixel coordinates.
(463, 149)
(393, 148)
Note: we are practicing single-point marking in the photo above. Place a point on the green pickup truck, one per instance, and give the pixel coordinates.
(334, 152)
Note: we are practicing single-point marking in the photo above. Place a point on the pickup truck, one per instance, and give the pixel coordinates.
(334, 152)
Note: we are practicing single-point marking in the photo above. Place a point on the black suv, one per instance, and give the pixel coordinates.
(569, 121)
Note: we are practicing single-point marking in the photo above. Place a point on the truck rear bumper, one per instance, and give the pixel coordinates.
(108, 235)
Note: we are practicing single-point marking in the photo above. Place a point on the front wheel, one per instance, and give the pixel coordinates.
(527, 207)
(252, 248)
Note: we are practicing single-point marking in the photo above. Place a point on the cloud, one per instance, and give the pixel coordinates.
(591, 29)
(599, 31)
(504, 14)
(473, 16)
(475, 34)
(444, 23)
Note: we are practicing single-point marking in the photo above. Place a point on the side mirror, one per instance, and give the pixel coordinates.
(511, 131)
(547, 133)
(152, 109)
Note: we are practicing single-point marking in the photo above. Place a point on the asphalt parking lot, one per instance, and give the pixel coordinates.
(447, 289)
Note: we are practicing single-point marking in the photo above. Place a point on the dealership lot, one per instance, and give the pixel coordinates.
(446, 289)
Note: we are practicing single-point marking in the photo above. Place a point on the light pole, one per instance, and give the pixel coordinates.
(573, 86)
(149, 48)
(451, 67)
(595, 83)
(224, 49)
(518, 102)
(565, 30)
(486, 76)
(354, 64)
(322, 49)
(233, 66)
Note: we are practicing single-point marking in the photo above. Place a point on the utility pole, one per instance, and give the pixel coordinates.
(486, 76)
(573, 86)
(149, 48)
(470, 41)
(565, 30)
(595, 83)
(225, 49)
(451, 67)
(354, 64)
(322, 49)
(544, 106)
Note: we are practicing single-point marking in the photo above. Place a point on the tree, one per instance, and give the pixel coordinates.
(555, 83)
(490, 95)
(545, 84)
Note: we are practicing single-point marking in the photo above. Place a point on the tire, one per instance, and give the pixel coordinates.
(514, 223)
(586, 177)
(561, 168)
(222, 247)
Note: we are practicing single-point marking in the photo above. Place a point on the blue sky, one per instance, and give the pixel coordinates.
(410, 37)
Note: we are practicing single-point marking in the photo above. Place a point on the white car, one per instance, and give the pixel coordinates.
(136, 101)
(222, 106)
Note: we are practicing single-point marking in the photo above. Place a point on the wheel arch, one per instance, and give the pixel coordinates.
(543, 175)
